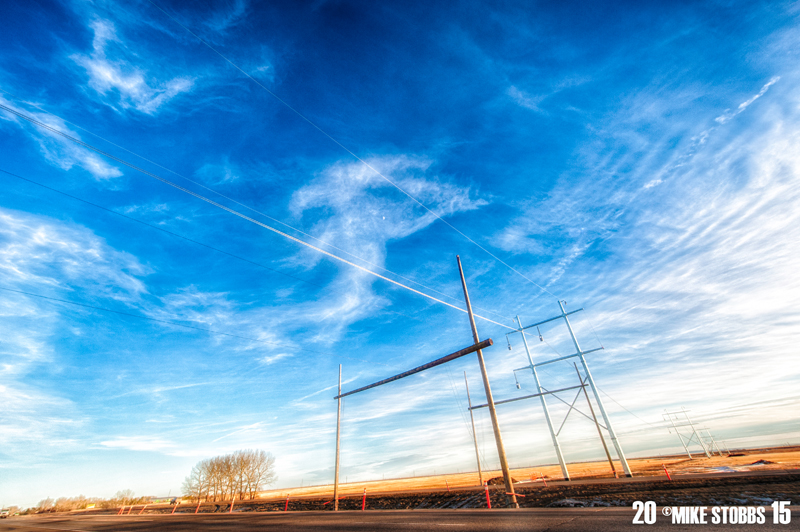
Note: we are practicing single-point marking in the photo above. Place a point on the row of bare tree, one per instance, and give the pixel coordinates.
(241, 474)
(64, 504)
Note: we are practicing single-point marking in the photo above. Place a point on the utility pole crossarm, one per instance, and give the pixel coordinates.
(548, 320)
(562, 358)
(452, 356)
(528, 396)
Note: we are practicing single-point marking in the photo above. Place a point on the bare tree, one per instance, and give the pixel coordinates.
(45, 504)
(241, 474)
(195, 484)
(125, 497)
(263, 472)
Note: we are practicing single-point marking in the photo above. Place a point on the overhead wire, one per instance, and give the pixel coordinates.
(557, 379)
(458, 402)
(238, 257)
(159, 228)
(243, 205)
(334, 140)
(237, 213)
(353, 154)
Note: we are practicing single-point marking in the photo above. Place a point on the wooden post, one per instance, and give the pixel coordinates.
(498, 438)
(474, 435)
(338, 426)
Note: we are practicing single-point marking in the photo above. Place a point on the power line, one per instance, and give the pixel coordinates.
(247, 206)
(345, 148)
(625, 409)
(236, 213)
(159, 228)
(192, 241)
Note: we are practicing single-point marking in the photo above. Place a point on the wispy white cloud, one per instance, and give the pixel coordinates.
(35, 416)
(38, 251)
(218, 174)
(271, 359)
(224, 19)
(51, 258)
(158, 390)
(362, 214)
(693, 277)
(728, 114)
(139, 443)
(120, 83)
(57, 150)
(254, 426)
(526, 100)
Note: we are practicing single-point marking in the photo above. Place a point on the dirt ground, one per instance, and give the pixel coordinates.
(779, 458)
(755, 477)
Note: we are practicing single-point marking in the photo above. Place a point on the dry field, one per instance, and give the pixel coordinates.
(781, 458)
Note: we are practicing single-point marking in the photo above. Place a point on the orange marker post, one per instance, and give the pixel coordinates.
(488, 500)
(364, 500)
(667, 472)
(142, 510)
(286, 507)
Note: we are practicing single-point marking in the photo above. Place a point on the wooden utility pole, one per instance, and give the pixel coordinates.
(474, 435)
(338, 425)
(497, 436)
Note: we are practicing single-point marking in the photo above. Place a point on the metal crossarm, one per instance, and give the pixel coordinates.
(551, 319)
(529, 396)
(561, 358)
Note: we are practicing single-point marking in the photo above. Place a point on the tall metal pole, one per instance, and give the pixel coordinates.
(610, 429)
(699, 439)
(685, 447)
(474, 434)
(553, 435)
(713, 441)
(498, 438)
(338, 425)
(596, 423)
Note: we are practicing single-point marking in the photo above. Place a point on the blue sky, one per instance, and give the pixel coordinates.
(640, 161)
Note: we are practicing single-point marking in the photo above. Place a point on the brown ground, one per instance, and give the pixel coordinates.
(782, 458)
(752, 477)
